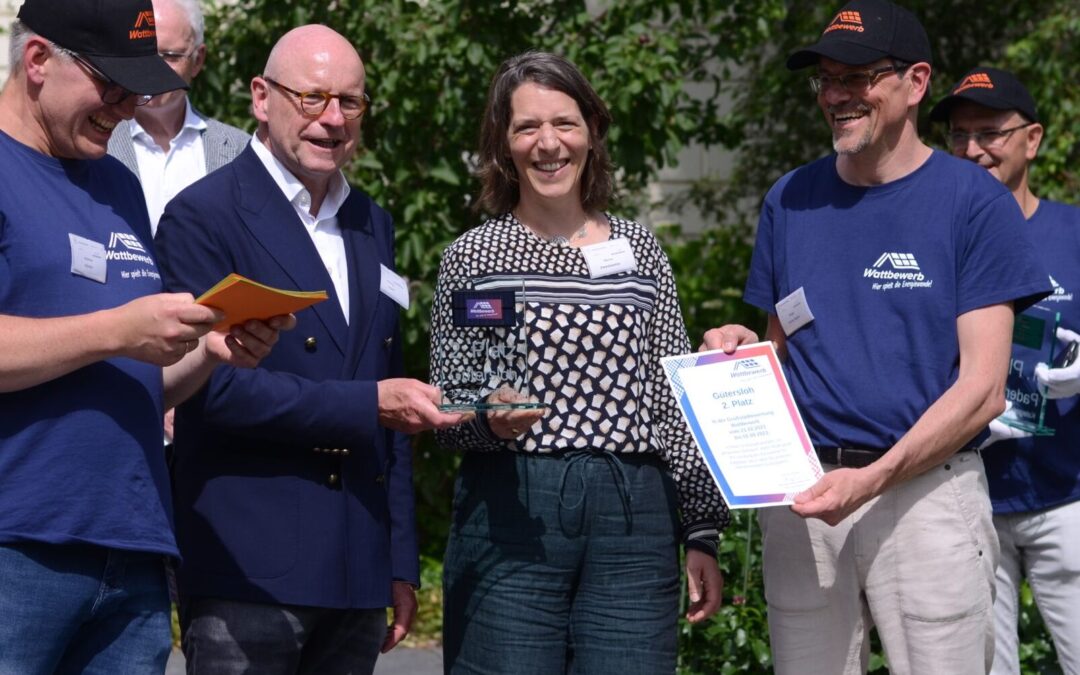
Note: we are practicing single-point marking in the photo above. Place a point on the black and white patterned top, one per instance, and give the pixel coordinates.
(594, 349)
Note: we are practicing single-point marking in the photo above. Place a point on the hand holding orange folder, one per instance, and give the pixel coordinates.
(242, 299)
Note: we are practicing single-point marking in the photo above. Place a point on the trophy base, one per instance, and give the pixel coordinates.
(1030, 427)
(481, 406)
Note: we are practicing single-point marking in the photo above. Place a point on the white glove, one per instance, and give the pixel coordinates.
(999, 431)
(1060, 382)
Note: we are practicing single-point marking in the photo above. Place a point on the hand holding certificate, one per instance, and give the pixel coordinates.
(742, 416)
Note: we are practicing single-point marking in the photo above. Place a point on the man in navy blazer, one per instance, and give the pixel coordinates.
(293, 481)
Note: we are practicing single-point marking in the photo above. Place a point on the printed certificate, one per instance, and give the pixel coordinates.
(741, 413)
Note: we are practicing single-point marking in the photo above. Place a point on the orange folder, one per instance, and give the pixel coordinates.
(242, 299)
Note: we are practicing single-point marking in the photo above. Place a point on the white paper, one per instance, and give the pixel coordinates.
(793, 312)
(609, 257)
(88, 258)
(745, 422)
(394, 286)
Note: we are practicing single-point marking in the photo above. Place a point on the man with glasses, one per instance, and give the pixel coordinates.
(169, 145)
(90, 350)
(294, 499)
(1034, 480)
(889, 273)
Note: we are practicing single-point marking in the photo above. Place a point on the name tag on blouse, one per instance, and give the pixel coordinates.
(609, 257)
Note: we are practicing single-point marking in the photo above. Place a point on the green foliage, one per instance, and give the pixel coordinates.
(736, 640)
(1047, 60)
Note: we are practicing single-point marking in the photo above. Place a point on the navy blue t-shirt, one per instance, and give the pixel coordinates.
(80, 456)
(886, 270)
(1037, 473)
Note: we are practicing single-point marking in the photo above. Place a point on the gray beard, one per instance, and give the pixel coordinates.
(862, 144)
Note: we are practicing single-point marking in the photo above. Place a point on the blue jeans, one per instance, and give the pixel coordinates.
(561, 564)
(82, 609)
(234, 637)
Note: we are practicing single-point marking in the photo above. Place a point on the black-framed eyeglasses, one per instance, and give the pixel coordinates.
(111, 93)
(313, 103)
(991, 138)
(177, 57)
(855, 82)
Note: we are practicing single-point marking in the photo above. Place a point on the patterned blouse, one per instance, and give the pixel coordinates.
(594, 349)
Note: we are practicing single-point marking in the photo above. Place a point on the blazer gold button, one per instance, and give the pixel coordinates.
(387, 342)
(380, 479)
(345, 452)
(333, 478)
(317, 449)
(310, 344)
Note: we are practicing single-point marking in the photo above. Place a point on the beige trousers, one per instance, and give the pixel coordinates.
(917, 563)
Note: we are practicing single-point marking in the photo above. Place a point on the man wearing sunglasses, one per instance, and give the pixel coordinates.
(1034, 480)
(90, 350)
(889, 273)
(294, 499)
(169, 145)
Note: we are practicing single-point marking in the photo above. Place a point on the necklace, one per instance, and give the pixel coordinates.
(560, 240)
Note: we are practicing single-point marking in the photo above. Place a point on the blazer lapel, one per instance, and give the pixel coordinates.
(274, 224)
(362, 255)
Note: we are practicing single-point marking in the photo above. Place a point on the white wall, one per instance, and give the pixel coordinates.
(7, 13)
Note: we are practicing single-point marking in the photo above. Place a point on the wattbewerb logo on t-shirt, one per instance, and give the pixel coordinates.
(128, 241)
(1059, 294)
(125, 247)
(893, 270)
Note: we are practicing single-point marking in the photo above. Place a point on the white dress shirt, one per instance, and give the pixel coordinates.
(323, 227)
(164, 174)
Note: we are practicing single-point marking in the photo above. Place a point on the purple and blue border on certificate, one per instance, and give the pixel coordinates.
(674, 366)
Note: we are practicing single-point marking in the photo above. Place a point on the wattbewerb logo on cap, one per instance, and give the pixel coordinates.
(144, 26)
(846, 20)
(974, 81)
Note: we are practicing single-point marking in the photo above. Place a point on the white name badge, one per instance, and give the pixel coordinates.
(88, 258)
(609, 257)
(793, 312)
(394, 286)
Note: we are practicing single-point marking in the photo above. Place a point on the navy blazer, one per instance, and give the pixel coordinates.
(286, 489)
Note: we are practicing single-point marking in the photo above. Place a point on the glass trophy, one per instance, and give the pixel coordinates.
(1036, 331)
(481, 360)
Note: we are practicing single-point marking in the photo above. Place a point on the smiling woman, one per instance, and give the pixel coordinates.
(563, 550)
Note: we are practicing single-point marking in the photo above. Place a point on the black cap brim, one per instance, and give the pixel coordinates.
(839, 51)
(943, 109)
(147, 74)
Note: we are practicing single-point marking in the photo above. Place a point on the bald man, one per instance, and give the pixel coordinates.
(294, 501)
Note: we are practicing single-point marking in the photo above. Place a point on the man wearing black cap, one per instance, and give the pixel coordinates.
(84, 334)
(889, 272)
(1034, 480)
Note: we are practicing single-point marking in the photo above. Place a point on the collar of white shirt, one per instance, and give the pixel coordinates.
(193, 124)
(295, 191)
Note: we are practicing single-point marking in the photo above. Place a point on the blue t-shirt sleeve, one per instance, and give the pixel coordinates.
(997, 262)
(760, 283)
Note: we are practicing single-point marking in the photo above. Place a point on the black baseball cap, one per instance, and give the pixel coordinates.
(115, 36)
(864, 31)
(991, 87)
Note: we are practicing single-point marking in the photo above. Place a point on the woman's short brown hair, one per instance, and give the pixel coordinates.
(498, 177)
